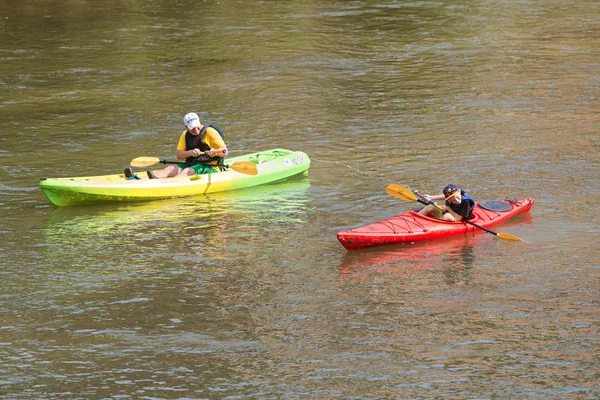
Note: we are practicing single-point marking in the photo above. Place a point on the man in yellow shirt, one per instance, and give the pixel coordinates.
(201, 146)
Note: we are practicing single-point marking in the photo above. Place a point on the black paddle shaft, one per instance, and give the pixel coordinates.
(190, 164)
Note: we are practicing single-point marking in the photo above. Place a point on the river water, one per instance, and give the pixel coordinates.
(248, 294)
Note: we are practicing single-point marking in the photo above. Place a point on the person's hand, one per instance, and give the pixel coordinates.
(196, 152)
(209, 152)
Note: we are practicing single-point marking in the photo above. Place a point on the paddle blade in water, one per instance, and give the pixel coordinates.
(508, 236)
(144, 161)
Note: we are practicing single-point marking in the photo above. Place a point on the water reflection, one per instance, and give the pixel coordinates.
(191, 231)
(453, 257)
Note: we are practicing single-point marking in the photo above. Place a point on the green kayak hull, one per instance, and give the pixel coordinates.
(272, 165)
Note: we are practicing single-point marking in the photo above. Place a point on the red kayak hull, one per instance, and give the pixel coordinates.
(410, 227)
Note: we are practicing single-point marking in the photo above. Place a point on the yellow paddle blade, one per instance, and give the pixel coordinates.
(508, 236)
(244, 167)
(144, 161)
(401, 192)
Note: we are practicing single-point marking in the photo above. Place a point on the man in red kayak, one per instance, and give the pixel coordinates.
(458, 205)
(200, 145)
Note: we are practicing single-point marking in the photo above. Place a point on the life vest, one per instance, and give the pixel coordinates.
(457, 208)
(195, 142)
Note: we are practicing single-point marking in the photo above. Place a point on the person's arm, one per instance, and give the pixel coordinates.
(216, 143)
(462, 212)
(437, 197)
(181, 152)
(220, 152)
(457, 217)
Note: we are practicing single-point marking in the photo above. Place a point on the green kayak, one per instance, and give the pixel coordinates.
(270, 166)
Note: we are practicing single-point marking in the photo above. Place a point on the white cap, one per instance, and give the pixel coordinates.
(191, 120)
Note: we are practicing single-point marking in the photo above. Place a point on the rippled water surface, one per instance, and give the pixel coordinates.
(248, 294)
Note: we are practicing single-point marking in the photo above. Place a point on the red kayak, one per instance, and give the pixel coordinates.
(410, 227)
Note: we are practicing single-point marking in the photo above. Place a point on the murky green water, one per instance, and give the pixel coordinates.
(248, 294)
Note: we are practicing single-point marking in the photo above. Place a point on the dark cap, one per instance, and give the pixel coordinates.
(450, 189)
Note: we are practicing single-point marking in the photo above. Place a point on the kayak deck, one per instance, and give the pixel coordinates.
(411, 227)
(272, 165)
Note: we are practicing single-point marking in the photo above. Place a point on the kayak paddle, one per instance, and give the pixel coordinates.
(243, 167)
(404, 193)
